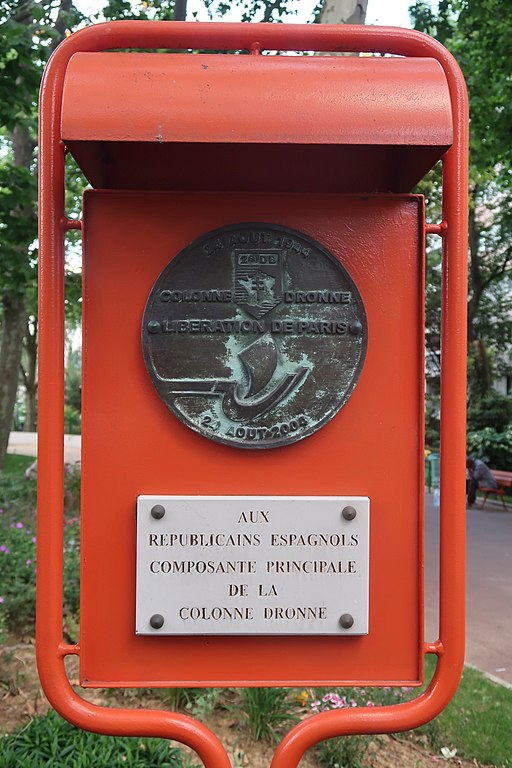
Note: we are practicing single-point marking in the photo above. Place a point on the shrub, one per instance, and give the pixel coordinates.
(495, 448)
(343, 752)
(17, 573)
(18, 548)
(493, 410)
(72, 421)
(266, 712)
(199, 702)
(51, 741)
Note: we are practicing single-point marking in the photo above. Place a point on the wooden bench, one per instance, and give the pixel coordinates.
(504, 480)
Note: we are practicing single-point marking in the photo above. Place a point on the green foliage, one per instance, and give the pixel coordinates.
(18, 547)
(343, 752)
(20, 64)
(17, 573)
(199, 702)
(254, 10)
(158, 10)
(73, 380)
(15, 466)
(72, 421)
(432, 422)
(479, 34)
(266, 712)
(17, 493)
(493, 410)
(18, 228)
(495, 448)
(52, 742)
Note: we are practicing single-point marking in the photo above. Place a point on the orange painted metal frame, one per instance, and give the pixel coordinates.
(51, 649)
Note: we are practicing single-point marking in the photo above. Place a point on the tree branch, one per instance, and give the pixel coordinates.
(61, 22)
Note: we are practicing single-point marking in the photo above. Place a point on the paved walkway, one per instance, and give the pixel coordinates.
(489, 586)
(25, 443)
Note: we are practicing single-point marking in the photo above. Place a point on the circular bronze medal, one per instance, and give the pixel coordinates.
(254, 335)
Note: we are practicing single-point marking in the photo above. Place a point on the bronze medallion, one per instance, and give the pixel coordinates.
(254, 335)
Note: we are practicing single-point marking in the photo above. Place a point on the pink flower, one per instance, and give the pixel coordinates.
(370, 704)
(28, 562)
(19, 525)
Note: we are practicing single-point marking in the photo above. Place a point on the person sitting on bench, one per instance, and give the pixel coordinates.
(480, 476)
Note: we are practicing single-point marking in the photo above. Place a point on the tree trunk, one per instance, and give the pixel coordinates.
(14, 316)
(482, 369)
(475, 275)
(343, 12)
(482, 366)
(180, 10)
(13, 330)
(29, 377)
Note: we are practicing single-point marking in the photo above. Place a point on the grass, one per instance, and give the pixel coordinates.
(18, 546)
(266, 712)
(52, 742)
(478, 721)
(198, 702)
(16, 464)
(15, 491)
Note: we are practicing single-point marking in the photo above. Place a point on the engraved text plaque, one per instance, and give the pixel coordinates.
(215, 565)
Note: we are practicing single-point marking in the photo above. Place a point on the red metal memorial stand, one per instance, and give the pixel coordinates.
(51, 648)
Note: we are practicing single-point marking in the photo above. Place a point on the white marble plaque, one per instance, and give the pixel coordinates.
(252, 565)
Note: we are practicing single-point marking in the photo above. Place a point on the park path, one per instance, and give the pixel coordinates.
(25, 443)
(489, 586)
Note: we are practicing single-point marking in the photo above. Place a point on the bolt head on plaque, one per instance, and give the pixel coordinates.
(254, 335)
(346, 621)
(157, 621)
(158, 511)
(349, 512)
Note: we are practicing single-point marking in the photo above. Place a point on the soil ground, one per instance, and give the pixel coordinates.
(21, 698)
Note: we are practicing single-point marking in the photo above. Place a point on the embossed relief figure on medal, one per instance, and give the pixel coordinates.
(254, 335)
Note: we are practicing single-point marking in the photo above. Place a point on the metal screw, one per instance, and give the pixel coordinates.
(346, 621)
(157, 621)
(153, 326)
(157, 511)
(349, 513)
(355, 328)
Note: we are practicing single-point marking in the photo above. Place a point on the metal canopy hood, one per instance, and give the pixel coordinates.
(282, 123)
